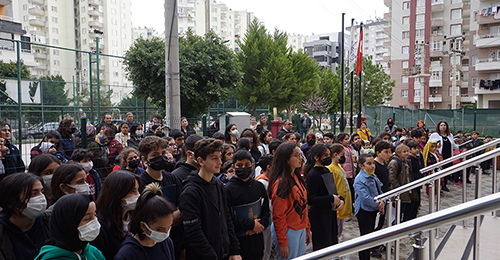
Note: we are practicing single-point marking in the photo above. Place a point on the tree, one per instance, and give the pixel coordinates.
(53, 94)
(9, 70)
(376, 85)
(273, 74)
(209, 71)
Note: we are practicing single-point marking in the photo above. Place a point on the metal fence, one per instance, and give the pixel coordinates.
(42, 84)
(485, 121)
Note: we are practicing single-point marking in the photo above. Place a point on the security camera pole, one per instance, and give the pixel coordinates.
(172, 82)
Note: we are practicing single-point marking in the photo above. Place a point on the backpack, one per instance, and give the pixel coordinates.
(399, 164)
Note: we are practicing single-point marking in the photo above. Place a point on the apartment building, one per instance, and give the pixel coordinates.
(484, 71)
(77, 25)
(429, 22)
(146, 33)
(326, 49)
(296, 41)
(11, 28)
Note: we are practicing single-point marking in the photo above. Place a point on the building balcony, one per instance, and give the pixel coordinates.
(437, 7)
(485, 91)
(95, 13)
(96, 24)
(435, 53)
(486, 19)
(37, 32)
(37, 22)
(437, 22)
(40, 56)
(42, 67)
(95, 2)
(38, 2)
(488, 65)
(434, 83)
(387, 44)
(101, 46)
(464, 98)
(36, 11)
(387, 30)
(464, 84)
(488, 41)
(435, 98)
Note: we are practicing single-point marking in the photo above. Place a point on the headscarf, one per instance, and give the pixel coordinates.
(427, 150)
(66, 215)
(420, 121)
(90, 130)
(45, 146)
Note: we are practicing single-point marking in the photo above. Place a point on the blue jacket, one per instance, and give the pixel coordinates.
(365, 186)
(67, 146)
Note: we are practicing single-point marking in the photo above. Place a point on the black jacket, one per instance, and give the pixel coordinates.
(416, 165)
(239, 193)
(133, 142)
(282, 133)
(207, 220)
(16, 244)
(189, 131)
(132, 249)
(108, 242)
(183, 170)
(12, 162)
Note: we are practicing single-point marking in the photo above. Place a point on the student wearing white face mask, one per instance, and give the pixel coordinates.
(115, 204)
(72, 226)
(151, 223)
(83, 157)
(44, 165)
(21, 224)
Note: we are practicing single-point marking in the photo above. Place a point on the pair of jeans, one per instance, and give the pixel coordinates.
(296, 242)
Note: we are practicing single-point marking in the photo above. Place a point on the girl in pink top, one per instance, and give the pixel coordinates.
(346, 161)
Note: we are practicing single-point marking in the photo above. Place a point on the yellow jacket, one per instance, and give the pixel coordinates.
(364, 135)
(342, 189)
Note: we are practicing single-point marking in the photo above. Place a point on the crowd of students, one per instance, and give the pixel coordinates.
(232, 196)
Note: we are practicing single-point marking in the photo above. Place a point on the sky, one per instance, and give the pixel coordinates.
(305, 17)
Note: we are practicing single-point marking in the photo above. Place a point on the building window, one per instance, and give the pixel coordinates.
(113, 1)
(436, 46)
(56, 52)
(474, 60)
(419, 33)
(456, 14)
(456, 29)
(115, 73)
(456, 1)
(113, 11)
(114, 42)
(495, 31)
(406, 5)
(124, 25)
(404, 79)
(214, 10)
(55, 41)
(214, 19)
(123, 15)
(83, 9)
(436, 75)
(405, 64)
(115, 63)
(474, 82)
(55, 30)
(84, 30)
(406, 35)
(405, 50)
(54, 19)
(54, 9)
(420, 2)
(56, 62)
(114, 32)
(474, 39)
(420, 17)
(84, 20)
(113, 21)
(124, 35)
(25, 18)
(406, 20)
(404, 93)
(457, 60)
(123, 5)
(25, 7)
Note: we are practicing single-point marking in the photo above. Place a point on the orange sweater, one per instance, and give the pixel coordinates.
(290, 212)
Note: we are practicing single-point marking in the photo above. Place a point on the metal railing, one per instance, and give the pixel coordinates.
(414, 227)
(460, 156)
(435, 193)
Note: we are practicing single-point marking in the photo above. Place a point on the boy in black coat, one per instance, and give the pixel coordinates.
(206, 218)
(242, 189)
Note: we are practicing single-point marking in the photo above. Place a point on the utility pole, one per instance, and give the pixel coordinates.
(172, 88)
(455, 48)
(419, 71)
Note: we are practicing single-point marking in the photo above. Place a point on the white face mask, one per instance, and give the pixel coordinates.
(131, 202)
(87, 166)
(157, 236)
(47, 179)
(139, 132)
(80, 189)
(35, 207)
(89, 231)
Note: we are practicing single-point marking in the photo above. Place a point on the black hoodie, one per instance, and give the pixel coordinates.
(183, 170)
(21, 245)
(207, 220)
(132, 249)
(239, 193)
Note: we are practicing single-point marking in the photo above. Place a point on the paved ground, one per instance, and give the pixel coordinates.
(448, 199)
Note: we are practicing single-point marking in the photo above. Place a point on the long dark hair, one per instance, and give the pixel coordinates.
(40, 162)
(447, 127)
(109, 204)
(318, 150)
(15, 191)
(133, 128)
(50, 134)
(64, 127)
(63, 174)
(227, 135)
(341, 137)
(262, 136)
(281, 170)
(249, 132)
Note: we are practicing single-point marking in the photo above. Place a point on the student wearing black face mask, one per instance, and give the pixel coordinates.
(245, 194)
(322, 198)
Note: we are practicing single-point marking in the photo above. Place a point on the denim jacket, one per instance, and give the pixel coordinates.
(365, 186)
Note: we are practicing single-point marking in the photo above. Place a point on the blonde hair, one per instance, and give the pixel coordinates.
(400, 148)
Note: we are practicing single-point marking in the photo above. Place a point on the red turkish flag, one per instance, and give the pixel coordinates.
(360, 50)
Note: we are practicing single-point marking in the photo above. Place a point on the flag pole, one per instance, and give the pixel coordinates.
(352, 76)
(342, 101)
(360, 74)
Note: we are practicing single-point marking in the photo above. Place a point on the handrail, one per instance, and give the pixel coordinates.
(459, 156)
(428, 179)
(424, 223)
